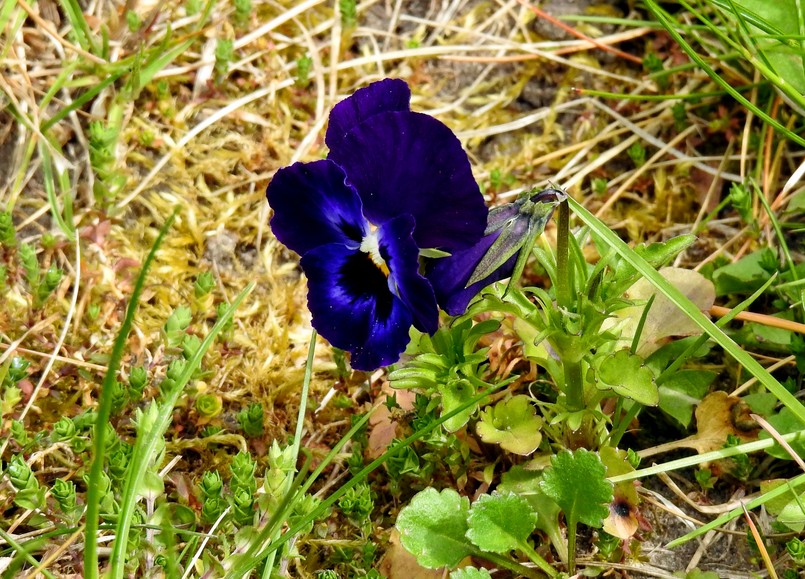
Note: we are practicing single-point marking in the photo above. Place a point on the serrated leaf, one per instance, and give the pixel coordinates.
(513, 424)
(500, 522)
(525, 483)
(624, 373)
(433, 528)
(470, 573)
(577, 482)
(456, 394)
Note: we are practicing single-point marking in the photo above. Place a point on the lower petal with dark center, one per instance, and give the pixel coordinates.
(353, 307)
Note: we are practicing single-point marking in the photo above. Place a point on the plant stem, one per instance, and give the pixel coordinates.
(571, 547)
(517, 568)
(536, 558)
(574, 384)
(563, 270)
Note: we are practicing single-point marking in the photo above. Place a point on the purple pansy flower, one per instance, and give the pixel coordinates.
(394, 182)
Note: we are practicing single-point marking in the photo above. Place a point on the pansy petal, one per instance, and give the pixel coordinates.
(449, 275)
(410, 163)
(345, 291)
(402, 256)
(388, 338)
(352, 306)
(313, 206)
(391, 94)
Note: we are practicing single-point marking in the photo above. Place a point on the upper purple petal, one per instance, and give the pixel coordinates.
(449, 275)
(353, 307)
(402, 257)
(409, 163)
(391, 94)
(314, 206)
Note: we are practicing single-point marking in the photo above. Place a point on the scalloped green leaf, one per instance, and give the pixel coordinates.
(433, 528)
(513, 424)
(470, 573)
(500, 522)
(577, 482)
(625, 374)
(525, 483)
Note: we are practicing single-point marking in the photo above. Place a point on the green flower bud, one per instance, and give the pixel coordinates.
(138, 380)
(796, 548)
(243, 507)
(173, 331)
(357, 503)
(212, 508)
(242, 469)
(211, 485)
(204, 284)
(251, 420)
(8, 236)
(49, 284)
(64, 493)
(190, 346)
(64, 429)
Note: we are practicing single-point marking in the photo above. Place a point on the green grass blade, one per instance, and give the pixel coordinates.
(105, 410)
(50, 189)
(697, 459)
(666, 21)
(689, 309)
(735, 513)
(297, 442)
(83, 34)
(82, 99)
(145, 446)
(23, 551)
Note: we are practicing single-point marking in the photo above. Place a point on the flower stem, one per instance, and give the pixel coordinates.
(574, 384)
(563, 269)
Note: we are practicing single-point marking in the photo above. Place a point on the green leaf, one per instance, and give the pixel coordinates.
(470, 573)
(433, 528)
(742, 276)
(784, 422)
(656, 254)
(625, 373)
(683, 391)
(500, 522)
(793, 514)
(771, 18)
(513, 424)
(454, 395)
(525, 483)
(577, 482)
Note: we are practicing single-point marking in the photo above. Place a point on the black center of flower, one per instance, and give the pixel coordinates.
(362, 280)
(621, 508)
